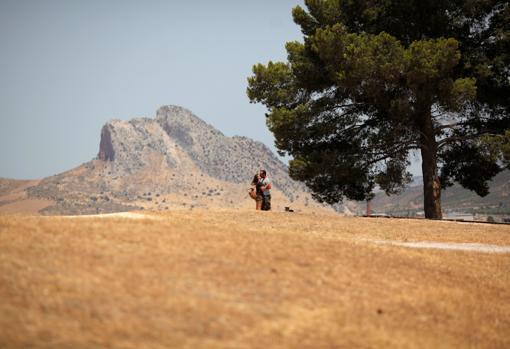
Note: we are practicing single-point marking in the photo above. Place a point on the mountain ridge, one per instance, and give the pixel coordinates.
(454, 198)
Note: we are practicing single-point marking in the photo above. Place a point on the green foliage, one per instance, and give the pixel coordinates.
(470, 166)
(373, 80)
(390, 179)
(497, 147)
(274, 84)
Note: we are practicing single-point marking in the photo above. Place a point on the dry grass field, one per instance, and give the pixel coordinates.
(246, 279)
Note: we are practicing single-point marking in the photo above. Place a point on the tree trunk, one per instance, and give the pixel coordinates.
(431, 183)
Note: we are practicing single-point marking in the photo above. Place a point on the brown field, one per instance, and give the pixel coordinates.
(246, 279)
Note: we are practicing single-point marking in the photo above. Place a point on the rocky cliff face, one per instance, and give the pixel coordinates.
(173, 160)
(131, 145)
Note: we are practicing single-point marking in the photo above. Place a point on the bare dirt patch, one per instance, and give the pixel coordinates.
(453, 246)
(25, 206)
(245, 279)
(129, 215)
(14, 199)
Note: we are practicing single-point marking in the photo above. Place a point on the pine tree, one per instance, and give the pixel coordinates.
(374, 80)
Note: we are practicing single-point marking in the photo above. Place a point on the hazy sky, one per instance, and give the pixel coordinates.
(68, 66)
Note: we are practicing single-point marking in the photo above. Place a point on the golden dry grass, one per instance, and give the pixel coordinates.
(245, 279)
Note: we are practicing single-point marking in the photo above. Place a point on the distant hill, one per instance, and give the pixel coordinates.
(174, 160)
(454, 198)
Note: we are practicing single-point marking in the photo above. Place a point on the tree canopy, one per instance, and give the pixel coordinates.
(375, 79)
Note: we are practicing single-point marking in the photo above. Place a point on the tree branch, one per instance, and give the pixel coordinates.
(398, 148)
(452, 139)
(445, 126)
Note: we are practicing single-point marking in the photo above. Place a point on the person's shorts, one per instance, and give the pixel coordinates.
(260, 198)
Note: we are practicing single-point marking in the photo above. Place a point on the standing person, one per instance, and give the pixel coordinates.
(266, 190)
(259, 198)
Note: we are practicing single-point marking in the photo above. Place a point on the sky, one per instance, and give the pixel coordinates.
(69, 66)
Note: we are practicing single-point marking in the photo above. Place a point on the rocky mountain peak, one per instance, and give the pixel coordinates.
(180, 123)
(175, 112)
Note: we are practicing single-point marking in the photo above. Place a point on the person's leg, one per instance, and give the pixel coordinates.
(268, 202)
(258, 203)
